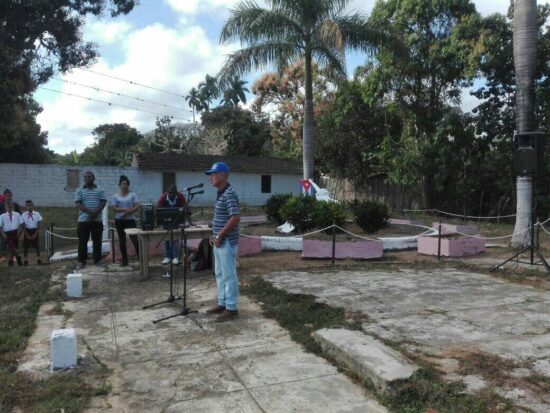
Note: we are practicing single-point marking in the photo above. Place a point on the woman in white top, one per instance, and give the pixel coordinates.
(125, 204)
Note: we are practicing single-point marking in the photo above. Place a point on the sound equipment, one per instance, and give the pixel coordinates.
(171, 218)
(529, 153)
(147, 217)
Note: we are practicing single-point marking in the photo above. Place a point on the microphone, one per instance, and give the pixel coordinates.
(190, 188)
(197, 193)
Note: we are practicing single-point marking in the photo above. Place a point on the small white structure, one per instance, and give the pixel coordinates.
(63, 349)
(74, 285)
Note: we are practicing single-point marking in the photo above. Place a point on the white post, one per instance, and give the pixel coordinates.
(105, 223)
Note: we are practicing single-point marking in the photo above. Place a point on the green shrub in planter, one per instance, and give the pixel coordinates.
(273, 207)
(371, 216)
(326, 213)
(299, 212)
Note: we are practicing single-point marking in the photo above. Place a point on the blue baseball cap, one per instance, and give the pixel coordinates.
(218, 167)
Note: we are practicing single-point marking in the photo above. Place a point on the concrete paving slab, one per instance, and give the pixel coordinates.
(441, 313)
(188, 363)
(319, 394)
(365, 356)
(240, 401)
(263, 365)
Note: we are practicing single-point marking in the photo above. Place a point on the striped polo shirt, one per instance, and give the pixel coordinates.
(227, 205)
(90, 198)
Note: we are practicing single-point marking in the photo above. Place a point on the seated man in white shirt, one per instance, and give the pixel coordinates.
(31, 229)
(10, 230)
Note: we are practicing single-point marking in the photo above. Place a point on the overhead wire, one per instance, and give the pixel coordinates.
(131, 82)
(118, 93)
(108, 103)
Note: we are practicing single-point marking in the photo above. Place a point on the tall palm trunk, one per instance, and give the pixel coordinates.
(308, 119)
(525, 31)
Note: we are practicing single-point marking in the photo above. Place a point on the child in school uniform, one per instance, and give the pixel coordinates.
(11, 227)
(31, 229)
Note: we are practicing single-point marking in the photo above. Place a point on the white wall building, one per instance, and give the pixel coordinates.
(255, 179)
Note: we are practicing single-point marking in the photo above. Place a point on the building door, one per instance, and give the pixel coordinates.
(168, 178)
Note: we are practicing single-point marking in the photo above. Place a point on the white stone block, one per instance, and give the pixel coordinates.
(74, 285)
(63, 349)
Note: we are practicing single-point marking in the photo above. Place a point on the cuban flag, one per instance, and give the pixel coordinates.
(307, 188)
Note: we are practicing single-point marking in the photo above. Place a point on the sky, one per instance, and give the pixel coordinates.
(153, 56)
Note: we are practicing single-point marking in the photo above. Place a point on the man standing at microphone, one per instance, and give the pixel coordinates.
(225, 240)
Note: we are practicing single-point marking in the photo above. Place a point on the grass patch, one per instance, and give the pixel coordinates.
(22, 291)
(300, 314)
(426, 391)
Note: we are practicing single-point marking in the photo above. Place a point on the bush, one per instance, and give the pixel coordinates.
(299, 212)
(371, 216)
(325, 213)
(273, 207)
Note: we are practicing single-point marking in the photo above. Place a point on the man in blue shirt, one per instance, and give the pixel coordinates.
(90, 201)
(225, 239)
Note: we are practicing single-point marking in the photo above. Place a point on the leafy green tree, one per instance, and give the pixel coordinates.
(235, 92)
(289, 30)
(284, 94)
(194, 100)
(441, 36)
(38, 38)
(494, 116)
(244, 132)
(351, 128)
(208, 91)
(113, 145)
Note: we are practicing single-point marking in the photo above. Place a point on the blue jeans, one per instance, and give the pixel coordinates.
(171, 254)
(226, 275)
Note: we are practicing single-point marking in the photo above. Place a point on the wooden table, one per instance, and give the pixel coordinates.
(145, 238)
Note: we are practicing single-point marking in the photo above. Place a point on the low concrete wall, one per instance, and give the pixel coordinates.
(449, 229)
(350, 249)
(451, 247)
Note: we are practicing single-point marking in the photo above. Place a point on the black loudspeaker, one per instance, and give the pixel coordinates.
(147, 217)
(529, 153)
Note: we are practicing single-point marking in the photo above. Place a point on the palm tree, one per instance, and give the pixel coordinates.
(194, 101)
(292, 30)
(235, 92)
(209, 91)
(525, 33)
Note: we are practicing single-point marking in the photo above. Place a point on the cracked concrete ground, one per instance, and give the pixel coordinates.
(444, 314)
(189, 363)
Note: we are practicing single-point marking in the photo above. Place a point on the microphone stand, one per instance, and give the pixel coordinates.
(171, 298)
(184, 309)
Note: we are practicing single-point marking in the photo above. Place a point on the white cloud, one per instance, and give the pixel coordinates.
(156, 55)
(200, 6)
(107, 32)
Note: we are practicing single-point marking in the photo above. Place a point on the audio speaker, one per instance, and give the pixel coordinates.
(147, 217)
(529, 153)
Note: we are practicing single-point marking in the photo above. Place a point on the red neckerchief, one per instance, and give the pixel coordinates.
(30, 215)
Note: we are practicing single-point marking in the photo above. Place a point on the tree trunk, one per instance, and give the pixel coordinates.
(308, 119)
(525, 33)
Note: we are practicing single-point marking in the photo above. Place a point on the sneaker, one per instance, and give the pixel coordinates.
(123, 264)
(80, 266)
(99, 263)
(166, 261)
(175, 261)
(38, 261)
(25, 263)
(216, 310)
(227, 315)
(19, 261)
(166, 275)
